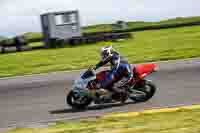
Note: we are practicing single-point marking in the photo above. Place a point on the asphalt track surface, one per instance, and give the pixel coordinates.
(40, 99)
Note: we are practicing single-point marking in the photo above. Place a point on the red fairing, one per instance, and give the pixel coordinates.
(145, 69)
(101, 75)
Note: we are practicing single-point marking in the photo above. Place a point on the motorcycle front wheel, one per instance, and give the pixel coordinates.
(72, 98)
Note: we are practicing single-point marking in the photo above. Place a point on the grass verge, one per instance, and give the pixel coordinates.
(182, 120)
(146, 46)
(142, 25)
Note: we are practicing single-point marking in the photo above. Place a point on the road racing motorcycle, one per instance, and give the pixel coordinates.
(84, 92)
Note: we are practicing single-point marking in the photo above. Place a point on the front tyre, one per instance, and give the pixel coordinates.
(76, 101)
(144, 92)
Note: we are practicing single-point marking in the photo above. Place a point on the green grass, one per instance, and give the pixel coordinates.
(181, 121)
(146, 46)
(36, 44)
(133, 25)
(29, 37)
(2, 38)
(141, 24)
(33, 37)
(179, 20)
(97, 28)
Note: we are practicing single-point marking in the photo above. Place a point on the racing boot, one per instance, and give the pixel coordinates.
(103, 96)
(119, 95)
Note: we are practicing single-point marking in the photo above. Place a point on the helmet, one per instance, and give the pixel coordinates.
(106, 52)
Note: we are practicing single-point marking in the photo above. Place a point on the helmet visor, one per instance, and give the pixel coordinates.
(104, 55)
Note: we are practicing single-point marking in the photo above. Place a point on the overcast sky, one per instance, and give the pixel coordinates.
(20, 16)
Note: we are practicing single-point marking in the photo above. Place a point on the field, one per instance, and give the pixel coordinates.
(155, 45)
(31, 37)
(141, 25)
(180, 121)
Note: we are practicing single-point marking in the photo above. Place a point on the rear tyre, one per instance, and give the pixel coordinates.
(71, 101)
(147, 89)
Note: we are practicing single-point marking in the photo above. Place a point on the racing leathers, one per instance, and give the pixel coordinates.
(119, 69)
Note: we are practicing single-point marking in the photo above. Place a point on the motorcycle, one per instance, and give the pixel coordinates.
(84, 91)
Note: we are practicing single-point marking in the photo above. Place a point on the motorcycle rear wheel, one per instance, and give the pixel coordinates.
(147, 88)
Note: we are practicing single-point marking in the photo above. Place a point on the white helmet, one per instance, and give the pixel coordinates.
(106, 52)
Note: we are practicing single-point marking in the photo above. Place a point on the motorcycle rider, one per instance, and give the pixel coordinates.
(119, 68)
